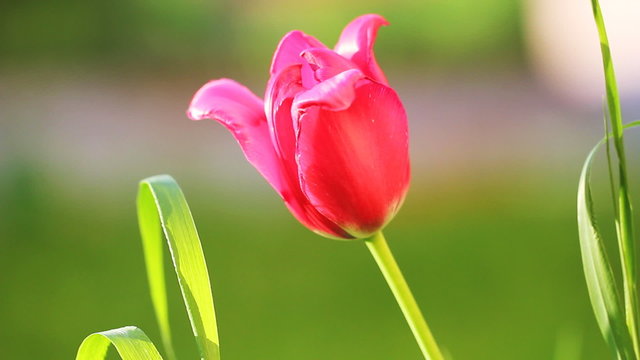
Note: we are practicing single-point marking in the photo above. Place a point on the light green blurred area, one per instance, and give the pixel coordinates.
(92, 99)
(148, 34)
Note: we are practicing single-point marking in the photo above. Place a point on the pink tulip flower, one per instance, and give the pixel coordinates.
(331, 135)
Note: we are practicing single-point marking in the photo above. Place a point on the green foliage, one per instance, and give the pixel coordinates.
(619, 327)
(161, 202)
(605, 299)
(161, 205)
(130, 342)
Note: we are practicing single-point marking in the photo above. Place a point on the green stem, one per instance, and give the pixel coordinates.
(628, 256)
(391, 272)
(624, 223)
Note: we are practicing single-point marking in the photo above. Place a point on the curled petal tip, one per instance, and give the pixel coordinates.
(223, 99)
(356, 44)
(196, 114)
(289, 49)
(204, 100)
(379, 20)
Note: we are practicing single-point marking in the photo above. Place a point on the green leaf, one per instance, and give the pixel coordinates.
(613, 98)
(624, 211)
(605, 298)
(161, 203)
(130, 342)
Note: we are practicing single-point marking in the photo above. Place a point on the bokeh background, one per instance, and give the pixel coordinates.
(504, 99)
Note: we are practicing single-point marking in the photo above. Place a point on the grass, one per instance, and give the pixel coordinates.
(617, 316)
(271, 276)
(163, 212)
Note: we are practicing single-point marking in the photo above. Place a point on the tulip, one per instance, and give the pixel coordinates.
(331, 138)
(331, 135)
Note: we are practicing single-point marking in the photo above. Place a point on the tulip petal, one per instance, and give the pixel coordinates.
(242, 113)
(326, 63)
(281, 87)
(293, 196)
(279, 98)
(336, 93)
(354, 164)
(356, 44)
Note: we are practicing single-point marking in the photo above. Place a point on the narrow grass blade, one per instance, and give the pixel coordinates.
(161, 204)
(611, 87)
(624, 216)
(610, 162)
(130, 342)
(605, 299)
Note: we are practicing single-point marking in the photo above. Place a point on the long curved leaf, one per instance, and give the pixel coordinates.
(624, 216)
(130, 342)
(161, 204)
(605, 298)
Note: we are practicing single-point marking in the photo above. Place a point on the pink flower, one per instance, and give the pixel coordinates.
(330, 136)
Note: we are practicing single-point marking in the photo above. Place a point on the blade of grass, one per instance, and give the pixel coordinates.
(612, 179)
(161, 204)
(154, 262)
(624, 218)
(130, 342)
(603, 293)
(605, 299)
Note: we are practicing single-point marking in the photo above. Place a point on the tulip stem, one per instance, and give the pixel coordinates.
(400, 289)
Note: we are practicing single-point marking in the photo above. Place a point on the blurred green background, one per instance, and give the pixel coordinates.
(92, 99)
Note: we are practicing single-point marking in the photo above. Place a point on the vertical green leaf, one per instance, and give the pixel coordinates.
(604, 295)
(624, 212)
(130, 342)
(611, 87)
(161, 204)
